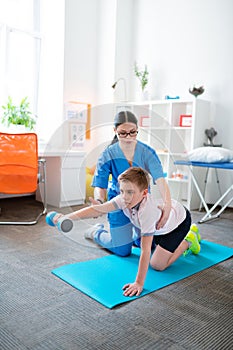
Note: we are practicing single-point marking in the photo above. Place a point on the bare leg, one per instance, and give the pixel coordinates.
(162, 258)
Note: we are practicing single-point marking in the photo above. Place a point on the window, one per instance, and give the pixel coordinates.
(32, 58)
(20, 44)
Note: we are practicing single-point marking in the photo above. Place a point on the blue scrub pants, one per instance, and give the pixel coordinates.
(121, 236)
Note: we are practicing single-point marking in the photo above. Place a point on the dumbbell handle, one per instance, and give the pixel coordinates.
(64, 224)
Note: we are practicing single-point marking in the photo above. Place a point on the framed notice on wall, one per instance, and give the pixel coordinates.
(79, 112)
(77, 134)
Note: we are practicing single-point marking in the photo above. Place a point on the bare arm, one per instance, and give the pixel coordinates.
(166, 196)
(88, 212)
(131, 289)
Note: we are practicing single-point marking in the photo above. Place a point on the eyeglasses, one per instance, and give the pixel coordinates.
(124, 134)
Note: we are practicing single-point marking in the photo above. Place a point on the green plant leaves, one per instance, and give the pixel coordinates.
(18, 115)
(142, 75)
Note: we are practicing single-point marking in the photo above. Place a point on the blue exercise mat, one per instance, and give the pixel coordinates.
(102, 279)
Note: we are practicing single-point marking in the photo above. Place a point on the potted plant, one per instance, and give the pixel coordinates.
(18, 115)
(142, 75)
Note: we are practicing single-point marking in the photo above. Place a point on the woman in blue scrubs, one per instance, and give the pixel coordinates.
(125, 151)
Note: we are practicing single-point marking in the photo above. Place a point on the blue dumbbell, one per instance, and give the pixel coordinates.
(64, 224)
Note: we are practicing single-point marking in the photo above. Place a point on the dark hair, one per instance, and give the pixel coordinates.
(125, 117)
(121, 118)
(137, 176)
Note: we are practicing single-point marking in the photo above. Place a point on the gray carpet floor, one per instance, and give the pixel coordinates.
(38, 311)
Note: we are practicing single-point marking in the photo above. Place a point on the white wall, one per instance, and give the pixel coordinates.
(89, 70)
(80, 73)
(50, 110)
(186, 42)
(89, 50)
(106, 50)
(124, 48)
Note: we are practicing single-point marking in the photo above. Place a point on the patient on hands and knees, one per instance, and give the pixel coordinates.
(160, 247)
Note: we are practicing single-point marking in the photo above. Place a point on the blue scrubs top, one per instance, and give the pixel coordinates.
(112, 161)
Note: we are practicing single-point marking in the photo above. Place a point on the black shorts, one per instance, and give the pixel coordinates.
(172, 240)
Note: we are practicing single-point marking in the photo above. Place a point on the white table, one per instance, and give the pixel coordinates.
(66, 177)
(228, 194)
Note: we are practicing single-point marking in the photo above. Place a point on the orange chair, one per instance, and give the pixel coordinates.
(20, 169)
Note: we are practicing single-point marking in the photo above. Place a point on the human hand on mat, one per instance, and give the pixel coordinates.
(131, 289)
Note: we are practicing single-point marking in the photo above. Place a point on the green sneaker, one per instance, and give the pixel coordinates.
(194, 228)
(194, 247)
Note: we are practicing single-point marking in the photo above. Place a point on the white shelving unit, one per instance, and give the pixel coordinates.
(172, 141)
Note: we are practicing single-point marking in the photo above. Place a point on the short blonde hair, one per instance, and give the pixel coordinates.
(137, 176)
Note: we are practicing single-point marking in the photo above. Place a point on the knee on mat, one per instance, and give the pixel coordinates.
(122, 251)
(157, 266)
